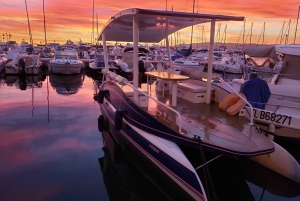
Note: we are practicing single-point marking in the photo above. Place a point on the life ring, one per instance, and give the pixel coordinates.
(232, 103)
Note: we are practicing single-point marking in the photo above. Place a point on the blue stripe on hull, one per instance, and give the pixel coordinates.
(186, 177)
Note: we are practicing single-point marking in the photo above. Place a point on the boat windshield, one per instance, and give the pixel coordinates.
(66, 55)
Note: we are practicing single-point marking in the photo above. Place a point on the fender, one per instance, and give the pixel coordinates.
(232, 103)
(237, 106)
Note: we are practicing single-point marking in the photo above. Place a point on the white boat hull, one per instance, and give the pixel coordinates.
(65, 68)
(281, 162)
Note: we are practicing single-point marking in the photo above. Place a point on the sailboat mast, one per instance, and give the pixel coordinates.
(97, 27)
(296, 25)
(251, 32)
(225, 35)
(288, 33)
(93, 40)
(29, 29)
(240, 34)
(262, 32)
(192, 25)
(263, 40)
(44, 22)
(280, 33)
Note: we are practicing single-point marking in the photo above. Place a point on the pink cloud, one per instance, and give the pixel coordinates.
(73, 19)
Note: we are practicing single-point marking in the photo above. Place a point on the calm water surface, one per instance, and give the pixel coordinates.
(51, 149)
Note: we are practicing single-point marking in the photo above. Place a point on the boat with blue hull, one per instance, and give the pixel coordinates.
(182, 128)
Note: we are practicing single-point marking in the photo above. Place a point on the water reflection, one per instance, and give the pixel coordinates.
(122, 179)
(24, 82)
(48, 160)
(66, 84)
(57, 159)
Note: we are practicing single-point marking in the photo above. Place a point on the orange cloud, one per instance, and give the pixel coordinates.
(73, 19)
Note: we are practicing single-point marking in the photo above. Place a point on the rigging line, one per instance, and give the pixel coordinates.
(206, 171)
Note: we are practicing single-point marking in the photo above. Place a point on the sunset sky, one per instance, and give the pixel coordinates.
(72, 19)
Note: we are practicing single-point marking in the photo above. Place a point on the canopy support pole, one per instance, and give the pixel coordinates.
(105, 52)
(135, 56)
(210, 60)
(168, 47)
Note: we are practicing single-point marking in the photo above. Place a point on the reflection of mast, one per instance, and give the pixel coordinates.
(32, 98)
(48, 96)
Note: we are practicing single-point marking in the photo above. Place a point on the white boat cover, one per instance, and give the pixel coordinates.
(152, 24)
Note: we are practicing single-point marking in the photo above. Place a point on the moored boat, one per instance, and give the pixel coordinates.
(172, 130)
(65, 62)
(23, 63)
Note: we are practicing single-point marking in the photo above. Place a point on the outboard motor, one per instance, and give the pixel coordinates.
(142, 71)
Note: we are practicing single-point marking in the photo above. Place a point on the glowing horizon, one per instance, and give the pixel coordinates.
(73, 20)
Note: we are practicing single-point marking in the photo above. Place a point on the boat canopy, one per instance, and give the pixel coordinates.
(260, 56)
(152, 24)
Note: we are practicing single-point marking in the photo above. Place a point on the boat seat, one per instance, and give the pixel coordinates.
(191, 87)
(192, 91)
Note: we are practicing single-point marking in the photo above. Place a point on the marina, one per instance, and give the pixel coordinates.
(149, 117)
(50, 143)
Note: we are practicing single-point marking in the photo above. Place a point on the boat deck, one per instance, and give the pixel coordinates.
(213, 125)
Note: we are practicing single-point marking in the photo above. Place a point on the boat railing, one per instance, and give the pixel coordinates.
(123, 81)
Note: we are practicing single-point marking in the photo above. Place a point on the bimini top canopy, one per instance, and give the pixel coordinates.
(152, 24)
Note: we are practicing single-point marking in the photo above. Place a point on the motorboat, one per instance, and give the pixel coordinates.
(182, 129)
(99, 64)
(262, 59)
(23, 63)
(188, 63)
(65, 62)
(229, 64)
(278, 114)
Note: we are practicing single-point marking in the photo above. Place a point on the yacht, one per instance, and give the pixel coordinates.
(65, 62)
